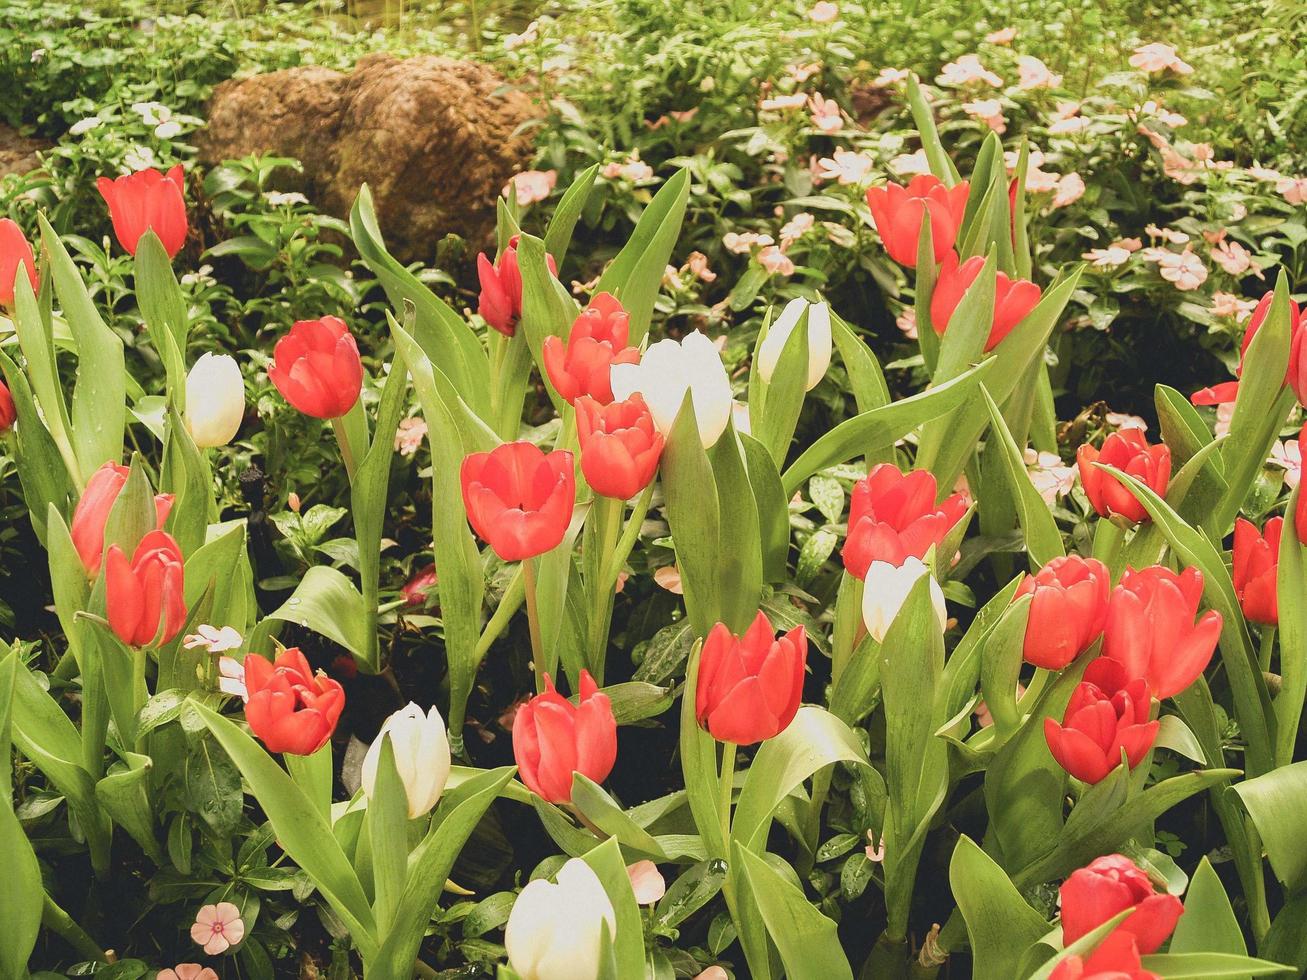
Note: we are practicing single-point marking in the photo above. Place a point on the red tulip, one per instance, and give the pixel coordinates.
(518, 499)
(15, 253)
(316, 368)
(1109, 885)
(1151, 631)
(8, 413)
(620, 447)
(1256, 562)
(500, 302)
(1107, 714)
(1128, 451)
(553, 738)
(1067, 611)
(147, 201)
(416, 588)
(749, 687)
(1300, 511)
(289, 707)
(1116, 958)
(1013, 298)
(1255, 323)
(145, 597)
(93, 508)
(893, 516)
(582, 365)
(1222, 394)
(897, 213)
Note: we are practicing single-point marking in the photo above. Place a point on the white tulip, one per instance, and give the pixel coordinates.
(215, 400)
(886, 589)
(554, 931)
(670, 368)
(819, 340)
(422, 760)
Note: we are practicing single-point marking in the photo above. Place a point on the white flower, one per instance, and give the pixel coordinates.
(215, 400)
(279, 199)
(139, 158)
(667, 371)
(212, 639)
(231, 678)
(967, 70)
(422, 759)
(1033, 73)
(83, 126)
(1157, 57)
(886, 589)
(555, 931)
(167, 130)
(819, 340)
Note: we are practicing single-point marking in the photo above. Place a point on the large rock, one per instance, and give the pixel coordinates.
(435, 139)
(18, 153)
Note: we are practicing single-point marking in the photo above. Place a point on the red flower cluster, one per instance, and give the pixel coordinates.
(749, 686)
(1126, 450)
(553, 738)
(1108, 714)
(289, 707)
(893, 516)
(500, 302)
(518, 499)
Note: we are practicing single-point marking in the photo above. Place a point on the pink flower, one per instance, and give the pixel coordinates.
(988, 111)
(1228, 304)
(1182, 269)
(1294, 189)
(910, 164)
(1070, 188)
(1002, 36)
(532, 185)
(1259, 172)
(783, 102)
(1288, 457)
(890, 76)
(1156, 57)
(1040, 181)
(875, 850)
(1232, 257)
(1051, 478)
(741, 243)
(845, 167)
(187, 971)
(1033, 73)
(796, 228)
(1159, 112)
(218, 927)
(647, 882)
(823, 12)
(697, 263)
(231, 678)
(409, 435)
(1172, 235)
(1106, 258)
(826, 114)
(1069, 125)
(967, 70)
(776, 262)
(669, 577)
(907, 322)
(212, 639)
(713, 973)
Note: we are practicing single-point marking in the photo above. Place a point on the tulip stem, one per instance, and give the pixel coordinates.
(607, 516)
(533, 622)
(630, 534)
(725, 787)
(1264, 651)
(346, 451)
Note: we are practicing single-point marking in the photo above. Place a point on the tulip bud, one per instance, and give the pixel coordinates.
(1109, 885)
(1068, 608)
(886, 590)
(422, 760)
(819, 340)
(1108, 714)
(1296, 373)
(215, 400)
(416, 590)
(147, 201)
(897, 213)
(1151, 632)
(582, 365)
(290, 708)
(519, 499)
(620, 447)
(1013, 298)
(667, 371)
(8, 413)
(1256, 565)
(316, 368)
(749, 687)
(93, 508)
(893, 516)
(555, 931)
(1126, 450)
(15, 253)
(145, 598)
(553, 738)
(1115, 958)
(500, 302)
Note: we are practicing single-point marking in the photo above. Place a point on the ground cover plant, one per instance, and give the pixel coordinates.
(846, 523)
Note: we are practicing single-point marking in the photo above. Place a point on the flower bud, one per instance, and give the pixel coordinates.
(422, 759)
(215, 400)
(819, 340)
(555, 931)
(886, 590)
(667, 371)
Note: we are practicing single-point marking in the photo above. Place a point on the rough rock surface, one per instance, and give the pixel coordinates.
(435, 139)
(18, 152)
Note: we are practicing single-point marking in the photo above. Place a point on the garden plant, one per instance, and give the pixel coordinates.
(846, 521)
